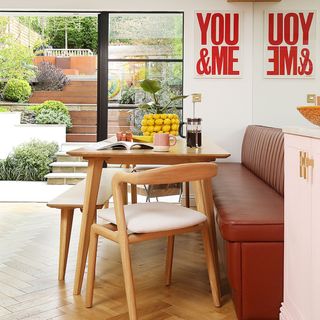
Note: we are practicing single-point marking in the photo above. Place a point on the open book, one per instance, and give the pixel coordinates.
(121, 145)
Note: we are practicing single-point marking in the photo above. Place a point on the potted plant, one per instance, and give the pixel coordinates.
(160, 115)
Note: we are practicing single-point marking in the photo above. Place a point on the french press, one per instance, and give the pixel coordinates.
(193, 132)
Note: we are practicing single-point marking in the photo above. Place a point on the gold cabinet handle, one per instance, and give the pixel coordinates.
(301, 164)
(305, 163)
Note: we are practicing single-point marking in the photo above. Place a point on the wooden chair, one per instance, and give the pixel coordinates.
(73, 199)
(129, 224)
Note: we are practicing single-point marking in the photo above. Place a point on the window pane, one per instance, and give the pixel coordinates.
(125, 77)
(145, 36)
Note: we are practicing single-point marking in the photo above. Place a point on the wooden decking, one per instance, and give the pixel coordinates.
(29, 288)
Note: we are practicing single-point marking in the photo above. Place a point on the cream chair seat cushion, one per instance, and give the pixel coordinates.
(155, 217)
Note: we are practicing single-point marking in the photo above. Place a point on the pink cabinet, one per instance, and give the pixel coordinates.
(302, 228)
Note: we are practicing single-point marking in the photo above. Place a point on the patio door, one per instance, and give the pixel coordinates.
(134, 46)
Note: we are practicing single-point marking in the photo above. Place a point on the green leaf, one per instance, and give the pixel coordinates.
(178, 98)
(151, 86)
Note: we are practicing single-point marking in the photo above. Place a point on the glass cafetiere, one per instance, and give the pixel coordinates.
(193, 132)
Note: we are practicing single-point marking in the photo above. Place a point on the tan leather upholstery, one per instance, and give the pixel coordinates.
(249, 201)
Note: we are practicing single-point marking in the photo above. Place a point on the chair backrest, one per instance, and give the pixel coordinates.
(263, 154)
(200, 173)
(169, 174)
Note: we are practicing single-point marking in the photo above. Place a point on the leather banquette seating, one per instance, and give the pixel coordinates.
(249, 210)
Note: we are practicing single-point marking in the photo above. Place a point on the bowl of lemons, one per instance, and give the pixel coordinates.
(160, 123)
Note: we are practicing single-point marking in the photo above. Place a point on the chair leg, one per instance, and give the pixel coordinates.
(93, 245)
(211, 265)
(134, 193)
(169, 260)
(65, 233)
(128, 280)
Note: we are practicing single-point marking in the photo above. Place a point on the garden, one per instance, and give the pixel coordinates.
(45, 88)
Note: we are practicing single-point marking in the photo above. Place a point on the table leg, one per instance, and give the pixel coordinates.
(88, 217)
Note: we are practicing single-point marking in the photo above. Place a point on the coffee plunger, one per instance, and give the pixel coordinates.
(193, 126)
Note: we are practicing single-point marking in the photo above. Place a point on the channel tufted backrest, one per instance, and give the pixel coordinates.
(263, 154)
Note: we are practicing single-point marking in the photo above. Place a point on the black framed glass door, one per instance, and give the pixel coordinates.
(134, 46)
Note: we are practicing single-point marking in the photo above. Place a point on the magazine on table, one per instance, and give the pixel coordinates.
(121, 145)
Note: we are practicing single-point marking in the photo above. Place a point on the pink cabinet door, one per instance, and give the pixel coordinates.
(315, 233)
(298, 227)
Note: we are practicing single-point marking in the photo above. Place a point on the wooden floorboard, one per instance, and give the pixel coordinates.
(29, 289)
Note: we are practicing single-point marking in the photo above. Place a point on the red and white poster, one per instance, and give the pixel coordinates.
(290, 42)
(217, 44)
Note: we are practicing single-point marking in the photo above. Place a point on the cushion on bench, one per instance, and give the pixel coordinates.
(248, 209)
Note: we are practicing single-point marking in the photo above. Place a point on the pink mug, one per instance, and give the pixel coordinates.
(163, 141)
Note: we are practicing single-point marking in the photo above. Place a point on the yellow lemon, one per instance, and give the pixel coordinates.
(144, 122)
(175, 127)
(145, 116)
(170, 116)
(146, 133)
(157, 128)
(159, 121)
(160, 132)
(150, 129)
(156, 116)
(163, 116)
(166, 128)
(167, 132)
(150, 122)
(167, 121)
(173, 133)
(144, 128)
(175, 116)
(149, 116)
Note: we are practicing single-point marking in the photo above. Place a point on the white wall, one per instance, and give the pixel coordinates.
(275, 100)
(13, 133)
(229, 105)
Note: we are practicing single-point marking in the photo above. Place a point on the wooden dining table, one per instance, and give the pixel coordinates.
(177, 154)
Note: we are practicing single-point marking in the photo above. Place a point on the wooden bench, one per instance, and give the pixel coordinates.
(72, 199)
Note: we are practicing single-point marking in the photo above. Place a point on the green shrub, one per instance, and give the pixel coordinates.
(52, 116)
(17, 90)
(29, 161)
(2, 109)
(28, 117)
(50, 105)
(2, 85)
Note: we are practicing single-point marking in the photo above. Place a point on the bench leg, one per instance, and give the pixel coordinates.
(65, 233)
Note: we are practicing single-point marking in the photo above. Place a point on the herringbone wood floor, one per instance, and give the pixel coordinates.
(29, 288)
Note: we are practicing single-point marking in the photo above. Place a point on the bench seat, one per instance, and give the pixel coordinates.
(249, 203)
(249, 209)
(73, 199)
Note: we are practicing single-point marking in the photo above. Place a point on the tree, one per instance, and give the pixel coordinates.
(72, 32)
(15, 60)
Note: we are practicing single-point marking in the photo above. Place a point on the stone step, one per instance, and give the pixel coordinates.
(65, 147)
(71, 167)
(65, 178)
(64, 157)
